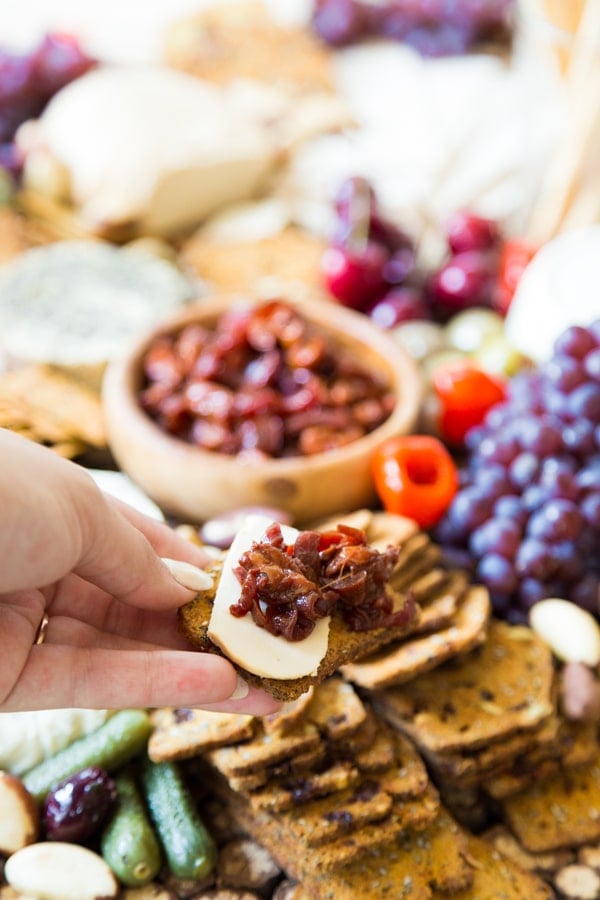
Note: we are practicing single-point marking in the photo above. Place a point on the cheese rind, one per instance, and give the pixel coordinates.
(245, 643)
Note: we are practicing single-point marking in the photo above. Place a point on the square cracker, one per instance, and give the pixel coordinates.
(184, 733)
(404, 868)
(336, 709)
(240, 40)
(503, 686)
(496, 877)
(264, 750)
(345, 645)
(413, 656)
(562, 812)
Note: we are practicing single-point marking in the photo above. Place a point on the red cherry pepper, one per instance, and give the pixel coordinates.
(514, 258)
(415, 476)
(465, 394)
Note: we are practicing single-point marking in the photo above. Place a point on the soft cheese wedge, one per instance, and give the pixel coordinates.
(150, 146)
(244, 642)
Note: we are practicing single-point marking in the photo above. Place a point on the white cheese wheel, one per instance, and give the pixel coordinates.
(84, 302)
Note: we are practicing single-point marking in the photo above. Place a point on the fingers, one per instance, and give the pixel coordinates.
(119, 555)
(164, 540)
(109, 679)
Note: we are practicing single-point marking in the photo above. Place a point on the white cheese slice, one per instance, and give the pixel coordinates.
(244, 642)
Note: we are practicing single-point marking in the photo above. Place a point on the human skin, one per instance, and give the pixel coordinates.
(93, 566)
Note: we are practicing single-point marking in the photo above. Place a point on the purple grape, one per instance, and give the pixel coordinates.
(584, 402)
(497, 573)
(532, 590)
(492, 480)
(592, 364)
(556, 520)
(499, 449)
(540, 437)
(500, 536)
(576, 341)
(469, 509)
(590, 510)
(511, 507)
(589, 478)
(534, 559)
(565, 373)
(338, 22)
(578, 437)
(567, 556)
(586, 593)
(524, 469)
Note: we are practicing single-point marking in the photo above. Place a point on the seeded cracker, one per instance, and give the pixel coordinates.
(495, 877)
(501, 687)
(562, 812)
(344, 645)
(240, 40)
(415, 655)
(184, 733)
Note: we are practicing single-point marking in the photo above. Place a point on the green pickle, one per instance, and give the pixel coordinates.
(121, 738)
(129, 844)
(188, 846)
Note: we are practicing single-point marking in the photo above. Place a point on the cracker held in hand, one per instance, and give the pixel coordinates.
(289, 608)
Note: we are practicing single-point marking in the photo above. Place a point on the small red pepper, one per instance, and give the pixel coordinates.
(465, 394)
(514, 258)
(415, 476)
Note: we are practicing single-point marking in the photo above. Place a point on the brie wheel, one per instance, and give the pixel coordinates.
(245, 643)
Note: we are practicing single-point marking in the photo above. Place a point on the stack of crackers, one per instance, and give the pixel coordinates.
(343, 803)
(61, 409)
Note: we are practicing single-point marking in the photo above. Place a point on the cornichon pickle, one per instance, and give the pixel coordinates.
(189, 848)
(129, 844)
(109, 747)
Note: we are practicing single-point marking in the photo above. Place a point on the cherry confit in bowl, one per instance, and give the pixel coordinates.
(332, 474)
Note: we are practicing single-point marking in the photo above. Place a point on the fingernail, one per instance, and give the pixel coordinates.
(241, 690)
(187, 575)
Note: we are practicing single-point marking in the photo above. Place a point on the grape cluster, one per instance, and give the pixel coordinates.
(527, 515)
(29, 80)
(370, 264)
(433, 27)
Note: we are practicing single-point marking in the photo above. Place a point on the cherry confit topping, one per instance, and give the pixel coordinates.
(262, 383)
(288, 587)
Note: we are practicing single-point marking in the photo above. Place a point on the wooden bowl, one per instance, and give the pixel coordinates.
(195, 484)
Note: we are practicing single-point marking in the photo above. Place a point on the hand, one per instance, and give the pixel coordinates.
(92, 566)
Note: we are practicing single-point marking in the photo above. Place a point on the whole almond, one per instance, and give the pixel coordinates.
(571, 632)
(53, 870)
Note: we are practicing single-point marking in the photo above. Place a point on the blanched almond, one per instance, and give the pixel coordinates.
(19, 817)
(53, 870)
(571, 632)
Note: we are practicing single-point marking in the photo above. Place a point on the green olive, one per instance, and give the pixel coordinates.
(420, 338)
(499, 357)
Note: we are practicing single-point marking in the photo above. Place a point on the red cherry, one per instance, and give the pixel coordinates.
(466, 231)
(404, 304)
(466, 280)
(354, 279)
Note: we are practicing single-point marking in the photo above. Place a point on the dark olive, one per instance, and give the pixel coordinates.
(76, 807)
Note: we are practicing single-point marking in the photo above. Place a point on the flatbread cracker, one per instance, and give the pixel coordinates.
(184, 733)
(562, 812)
(504, 686)
(416, 655)
(495, 876)
(265, 749)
